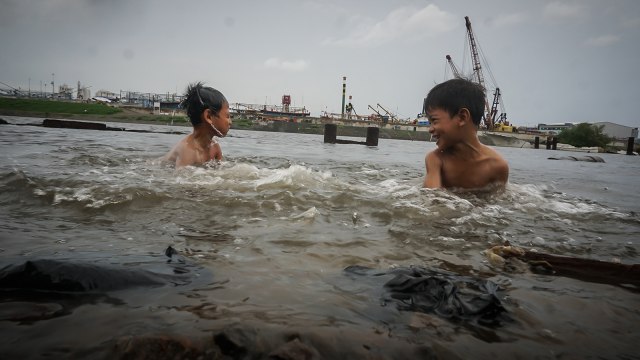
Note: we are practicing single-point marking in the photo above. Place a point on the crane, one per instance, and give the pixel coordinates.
(501, 121)
(494, 106)
(477, 68)
(374, 110)
(380, 116)
(477, 74)
(350, 108)
(454, 69)
(388, 113)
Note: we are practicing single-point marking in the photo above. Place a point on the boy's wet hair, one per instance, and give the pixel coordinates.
(198, 98)
(455, 94)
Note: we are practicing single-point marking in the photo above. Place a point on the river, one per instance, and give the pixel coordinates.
(266, 243)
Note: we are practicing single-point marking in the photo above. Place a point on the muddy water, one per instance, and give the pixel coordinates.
(264, 238)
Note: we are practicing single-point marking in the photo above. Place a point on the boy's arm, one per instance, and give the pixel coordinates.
(433, 165)
(502, 171)
(215, 151)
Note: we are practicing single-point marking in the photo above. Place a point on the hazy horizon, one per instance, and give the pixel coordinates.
(554, 61)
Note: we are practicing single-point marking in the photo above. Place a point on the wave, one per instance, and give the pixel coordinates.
(124, 182)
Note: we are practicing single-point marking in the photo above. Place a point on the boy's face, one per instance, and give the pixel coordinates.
(444, 128)
(222, 121)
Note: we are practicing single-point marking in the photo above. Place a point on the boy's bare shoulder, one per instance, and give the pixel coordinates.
(491, 153)
(499, 166)
(435, 153)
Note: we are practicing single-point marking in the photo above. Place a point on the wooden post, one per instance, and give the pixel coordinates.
(372, 136)
(554, 143)
(630, 146)
(536, 144)
(330, 133)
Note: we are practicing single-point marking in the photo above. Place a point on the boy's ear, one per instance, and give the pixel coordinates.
(465, 116)
(207, 113)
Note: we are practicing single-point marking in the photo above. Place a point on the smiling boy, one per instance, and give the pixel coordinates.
(460, 161)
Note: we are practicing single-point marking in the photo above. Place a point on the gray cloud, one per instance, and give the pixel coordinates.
(400, 24)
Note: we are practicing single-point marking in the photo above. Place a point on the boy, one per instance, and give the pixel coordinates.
(454, 109)
(208, 111)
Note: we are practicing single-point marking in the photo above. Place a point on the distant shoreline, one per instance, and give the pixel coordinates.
(133, 117)
(124, 117)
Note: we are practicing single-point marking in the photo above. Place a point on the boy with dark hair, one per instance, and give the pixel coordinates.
(208, 111)
(455, 109)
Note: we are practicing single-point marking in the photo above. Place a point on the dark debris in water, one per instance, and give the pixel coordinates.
(170, 252)
(66, 276)
(41, 289)
(445, 294)
(587, 158)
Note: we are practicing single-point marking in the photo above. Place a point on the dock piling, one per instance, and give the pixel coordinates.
(372, 135)
(330, 133)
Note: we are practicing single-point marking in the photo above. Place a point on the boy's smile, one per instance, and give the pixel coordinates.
(441, 125)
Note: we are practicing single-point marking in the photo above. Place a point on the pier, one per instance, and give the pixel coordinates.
(331, 132)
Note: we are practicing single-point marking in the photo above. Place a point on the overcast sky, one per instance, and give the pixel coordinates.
(554, 61)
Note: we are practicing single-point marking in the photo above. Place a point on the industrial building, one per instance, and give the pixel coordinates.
(612, 130)
(616, 131)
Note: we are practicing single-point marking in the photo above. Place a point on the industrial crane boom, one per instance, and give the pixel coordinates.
(494, 106)
(477, 68)
(388, 113)
(376, 111)
(454, 69)
(477, 71)
(351, 108)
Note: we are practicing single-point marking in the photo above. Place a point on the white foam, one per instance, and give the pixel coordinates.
(542, 198)
(311, 213)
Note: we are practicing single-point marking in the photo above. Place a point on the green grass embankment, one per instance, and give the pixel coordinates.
(83, 111)
(56, 107)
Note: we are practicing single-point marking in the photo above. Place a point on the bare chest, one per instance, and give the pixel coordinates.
(465, 175)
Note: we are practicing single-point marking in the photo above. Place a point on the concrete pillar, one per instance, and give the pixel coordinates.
(630, 146)
(372, 136)
(330, 133)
